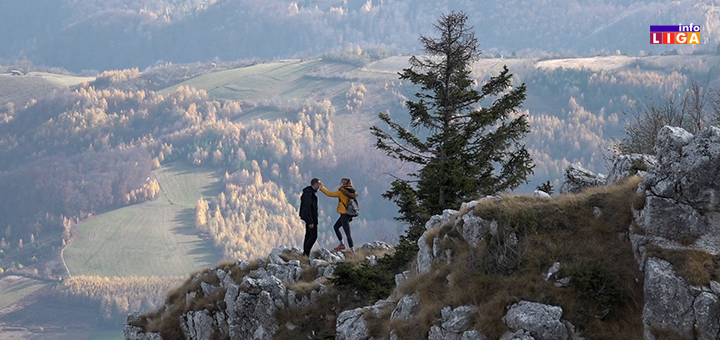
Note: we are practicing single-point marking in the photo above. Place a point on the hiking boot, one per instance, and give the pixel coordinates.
(339, 247)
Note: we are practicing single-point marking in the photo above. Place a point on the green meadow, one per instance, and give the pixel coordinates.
(152, 238)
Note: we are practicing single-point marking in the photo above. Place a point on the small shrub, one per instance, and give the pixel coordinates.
(546, 187)
(373, 282)
(596, 282)
(505, 252)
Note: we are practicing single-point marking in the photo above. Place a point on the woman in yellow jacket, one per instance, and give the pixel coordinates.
(344, 193)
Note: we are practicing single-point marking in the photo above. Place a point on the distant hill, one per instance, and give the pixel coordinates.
(79, 35)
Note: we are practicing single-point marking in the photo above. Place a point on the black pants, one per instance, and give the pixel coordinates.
(310, 238)
(344, 222)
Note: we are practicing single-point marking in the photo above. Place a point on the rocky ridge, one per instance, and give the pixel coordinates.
(678, 208)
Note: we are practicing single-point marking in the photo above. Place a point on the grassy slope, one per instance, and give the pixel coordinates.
(13, 288)
(21, 89)
(262, 81)
(153, 238)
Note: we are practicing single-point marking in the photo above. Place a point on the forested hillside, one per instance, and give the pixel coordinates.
(262, 130)
(99, 35)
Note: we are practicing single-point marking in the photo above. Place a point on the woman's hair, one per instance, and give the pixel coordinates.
(345, 181)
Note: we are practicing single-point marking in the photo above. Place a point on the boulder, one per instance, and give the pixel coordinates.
(198, 325)
(377, 245)
(542, 321)
(554, 269)
(454, 323)
(289, 272)
(351, 324)
(578, 179)
(328, 256)
(541, 194)
(668, 300)
(407, 307)
(473, 228)
(402, 277)
(707, 316)
(135, 333)
(519, 335)
(250, 315)
(682, 193)
(625, 166)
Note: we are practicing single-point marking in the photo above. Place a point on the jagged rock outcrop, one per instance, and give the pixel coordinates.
(351, 324)
(682, 192)
(132, 332)
(245, 309)
(471, 227)
(672, 305)
(407, 307)
(454, 323)
(578, 179)
(680, 211)
(625, 166)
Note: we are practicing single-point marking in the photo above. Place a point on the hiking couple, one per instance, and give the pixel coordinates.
(309, 212)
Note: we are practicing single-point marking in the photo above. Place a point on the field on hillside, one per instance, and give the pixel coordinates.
(153, 238)
(265, 81)
(61, 79)
(13, 288)
(19, 90)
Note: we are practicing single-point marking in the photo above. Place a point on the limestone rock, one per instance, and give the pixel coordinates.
(207, 288)
(682, 194)
(351, 324)
(376, 245)
(473, 335)
(407, 307)
(541, 194)
(425, 253)
(578, 179)
(401, 278)
(542, 321)
(328, 256)
(474, 228)
(707, 316)
(519, 335)
(250, 316)
(630, 165)
(563, 282)
(554, 269)
(289, 272)
(135, 333)
(668, 301)
(454, 324)
(198, 325)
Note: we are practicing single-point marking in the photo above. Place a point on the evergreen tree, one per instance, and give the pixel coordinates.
(463, 149)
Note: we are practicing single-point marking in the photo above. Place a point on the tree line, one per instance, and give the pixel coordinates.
(115, 297)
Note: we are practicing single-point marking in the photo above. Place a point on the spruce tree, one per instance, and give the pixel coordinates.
(463, 149)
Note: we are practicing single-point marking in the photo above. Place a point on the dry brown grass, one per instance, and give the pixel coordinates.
(698, 268)
(562, 229)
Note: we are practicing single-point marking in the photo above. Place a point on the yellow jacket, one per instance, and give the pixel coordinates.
(343, 194)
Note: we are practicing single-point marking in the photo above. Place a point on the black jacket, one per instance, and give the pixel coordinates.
(309, 206)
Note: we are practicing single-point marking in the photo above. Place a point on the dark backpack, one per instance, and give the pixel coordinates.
(352, 208)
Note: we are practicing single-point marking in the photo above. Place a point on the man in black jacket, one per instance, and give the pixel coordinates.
(309, 214)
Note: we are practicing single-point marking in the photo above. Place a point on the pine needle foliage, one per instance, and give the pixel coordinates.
(463, 150)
